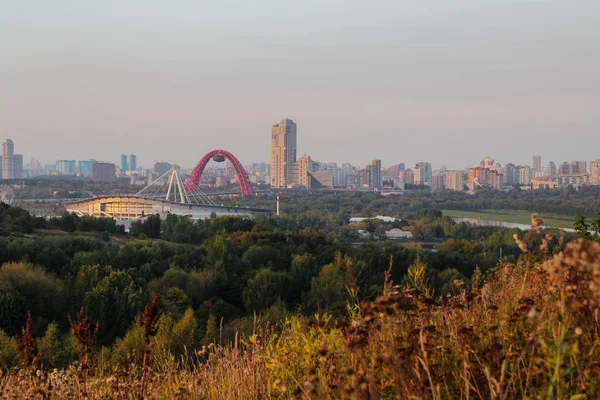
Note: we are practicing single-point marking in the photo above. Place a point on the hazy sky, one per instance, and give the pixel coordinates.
(446, 81)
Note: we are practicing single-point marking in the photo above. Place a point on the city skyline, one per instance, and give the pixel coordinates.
(400, 82)
(125, 160)
(287, 171)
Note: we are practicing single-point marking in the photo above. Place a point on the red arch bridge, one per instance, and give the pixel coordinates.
(170, 194)
(240, 173)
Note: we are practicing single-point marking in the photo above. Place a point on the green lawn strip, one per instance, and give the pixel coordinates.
(516, 218)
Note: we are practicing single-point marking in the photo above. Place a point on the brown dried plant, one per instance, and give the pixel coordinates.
(86, 334)
(149, 322)
(27, 345)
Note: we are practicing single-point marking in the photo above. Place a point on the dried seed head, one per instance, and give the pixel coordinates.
(26, 344)
(150, 317)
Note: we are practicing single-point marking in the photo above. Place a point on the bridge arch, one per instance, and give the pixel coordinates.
(240, 172)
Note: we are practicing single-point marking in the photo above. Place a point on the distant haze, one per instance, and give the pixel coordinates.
(442, 81)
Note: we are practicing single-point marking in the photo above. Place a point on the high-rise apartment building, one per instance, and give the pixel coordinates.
(527, 175)
(132, 162)
(489, 163)
(595, 172)
(423, 173)
(283, 153)
(124, 163)
(574, 167)
(334, 171)
(395, 169)
(454, 180)
(509, 173)
(374, 176)
(564, 168)
(104, 172)
(581, 166)
(437, 182)
(348, 175)
(485, 177)
(406, 177)
(304, 168)
(537, 164)
(8, 159)
(550, 169)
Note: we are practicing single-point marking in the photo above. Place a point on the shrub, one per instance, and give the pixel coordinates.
(9, 356)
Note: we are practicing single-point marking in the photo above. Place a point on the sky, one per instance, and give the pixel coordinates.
(445, 81)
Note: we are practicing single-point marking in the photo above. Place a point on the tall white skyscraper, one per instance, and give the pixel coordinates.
(283, 154)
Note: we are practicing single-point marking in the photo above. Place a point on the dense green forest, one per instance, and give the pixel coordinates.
(583, 201)
(224, 270)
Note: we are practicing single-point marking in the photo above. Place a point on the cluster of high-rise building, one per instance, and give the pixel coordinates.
(12, 164)
(128, 164)
(287, 170)
(537, 176)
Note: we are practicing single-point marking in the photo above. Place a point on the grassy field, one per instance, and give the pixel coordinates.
(513, 217)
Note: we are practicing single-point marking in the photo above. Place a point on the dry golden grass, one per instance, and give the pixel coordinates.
(529, 330)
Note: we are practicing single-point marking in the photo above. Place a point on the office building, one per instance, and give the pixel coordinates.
(283, 153)
(18, 166)
(124, 164)
(66, 167)
(132, 162)
(104, 172)
(86, 167)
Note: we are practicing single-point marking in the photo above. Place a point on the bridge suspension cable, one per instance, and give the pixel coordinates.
(171, 187)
